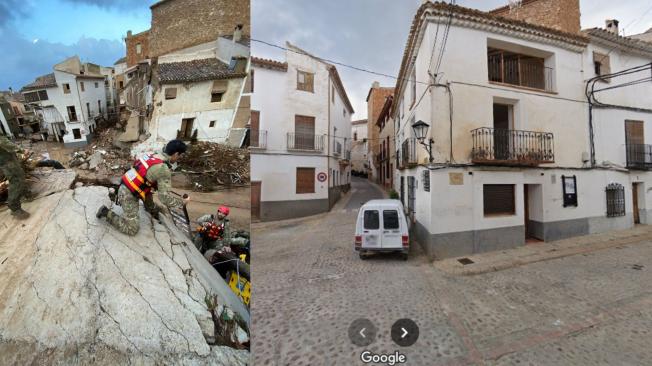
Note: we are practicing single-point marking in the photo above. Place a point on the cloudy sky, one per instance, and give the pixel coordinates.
(36, 34)
(372, 33)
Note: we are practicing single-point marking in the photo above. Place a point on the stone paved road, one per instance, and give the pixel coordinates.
(309, 285)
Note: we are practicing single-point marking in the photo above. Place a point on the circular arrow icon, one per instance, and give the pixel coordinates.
(362, 332)
(405, 332)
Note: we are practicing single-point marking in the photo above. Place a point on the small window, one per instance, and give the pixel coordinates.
(333, 94)
(426, 180)
(66, 88)
(72, 114)
(615, 200)
(170, 93)
(344, 112)
(305, 81)
(390, 220)
(601, 64)
(139, 48)
(121, 85)
(81, 84)
(498, 199)
(97, 84)
(355, 136)
(305, 180)
(211, 124)
(216, 97)
(43, 94)
(371, 220)
(76, 133)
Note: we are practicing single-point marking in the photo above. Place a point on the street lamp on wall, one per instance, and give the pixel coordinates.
(420, 129)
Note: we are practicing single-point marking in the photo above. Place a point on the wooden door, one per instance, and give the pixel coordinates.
(186, 128)
(637, 219)
(255, 199)
(255, 129)
(501, 132)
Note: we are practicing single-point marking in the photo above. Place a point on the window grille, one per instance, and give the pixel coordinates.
(615, 200)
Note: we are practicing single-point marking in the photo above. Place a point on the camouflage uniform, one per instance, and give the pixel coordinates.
(13, 171)
(129, 222)
(204, 244)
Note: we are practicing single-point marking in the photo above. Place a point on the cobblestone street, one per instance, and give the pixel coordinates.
(309, 285)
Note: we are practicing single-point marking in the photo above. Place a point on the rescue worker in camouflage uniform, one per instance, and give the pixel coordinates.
(13, 171)
(150, 172)
(221, 238)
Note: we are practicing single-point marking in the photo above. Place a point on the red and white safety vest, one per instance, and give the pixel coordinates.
(135, 179)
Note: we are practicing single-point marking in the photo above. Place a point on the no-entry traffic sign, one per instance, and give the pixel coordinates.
(322, 177)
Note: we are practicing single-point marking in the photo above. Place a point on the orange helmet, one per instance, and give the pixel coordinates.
(223, 210)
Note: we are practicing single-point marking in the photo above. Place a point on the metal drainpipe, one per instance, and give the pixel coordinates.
(328, 143)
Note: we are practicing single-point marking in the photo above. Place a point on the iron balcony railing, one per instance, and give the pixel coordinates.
(258, 139)
(512, 147)
(408, 153)
(307, 142)
(520, 70)
(639, 156)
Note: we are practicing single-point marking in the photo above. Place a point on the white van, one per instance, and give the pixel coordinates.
(382, 227)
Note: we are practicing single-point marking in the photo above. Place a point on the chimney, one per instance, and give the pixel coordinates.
(612, 26)
(375, 85)
(237, 33)
(128, 33)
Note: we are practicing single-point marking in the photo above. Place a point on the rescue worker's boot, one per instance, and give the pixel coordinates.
(102, 212)
(20, 214)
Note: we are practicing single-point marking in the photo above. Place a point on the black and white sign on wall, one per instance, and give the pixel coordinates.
(569, 185)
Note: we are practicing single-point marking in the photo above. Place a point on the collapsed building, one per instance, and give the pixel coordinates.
(186, 79)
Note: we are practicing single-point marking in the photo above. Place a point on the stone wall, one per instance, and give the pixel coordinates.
(180, 24)
(132, 40)
(563, 15)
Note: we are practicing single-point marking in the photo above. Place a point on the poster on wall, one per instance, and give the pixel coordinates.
(569, 185)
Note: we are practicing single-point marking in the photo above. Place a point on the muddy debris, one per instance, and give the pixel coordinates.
(211, 165)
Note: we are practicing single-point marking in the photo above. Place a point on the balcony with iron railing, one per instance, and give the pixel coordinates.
(305, 142)
(408, 154)
(512, 147)
(639, 156)
(519, 70)
(258, 139)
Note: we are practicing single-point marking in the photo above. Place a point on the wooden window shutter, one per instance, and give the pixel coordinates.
(499, 199)
(305, 180)
(634, 132)
(605, 63)
(170, 93)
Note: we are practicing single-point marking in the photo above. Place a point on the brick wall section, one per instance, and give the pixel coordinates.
(375, 104)
(563, 15)
(132, 57)
(178, 24)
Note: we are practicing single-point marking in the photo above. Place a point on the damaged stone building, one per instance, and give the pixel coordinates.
(185, 76)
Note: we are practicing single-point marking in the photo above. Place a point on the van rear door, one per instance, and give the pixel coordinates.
(371, 230)
(391, 229)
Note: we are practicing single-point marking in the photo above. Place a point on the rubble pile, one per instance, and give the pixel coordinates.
(209, 165)
(102, 157)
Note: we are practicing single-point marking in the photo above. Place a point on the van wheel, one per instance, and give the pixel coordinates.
(362, 255)
(404, 256)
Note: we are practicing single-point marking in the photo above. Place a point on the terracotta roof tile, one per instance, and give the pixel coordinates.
(196, 70)
(632, 43)
(269, 64)
(41, 82)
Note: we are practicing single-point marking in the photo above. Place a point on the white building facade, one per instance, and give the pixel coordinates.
(359, 147)
(509, 119)
(200, 91)
(300, 136)
(69, 101)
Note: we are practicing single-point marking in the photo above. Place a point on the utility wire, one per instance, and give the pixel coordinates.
(335, 62)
